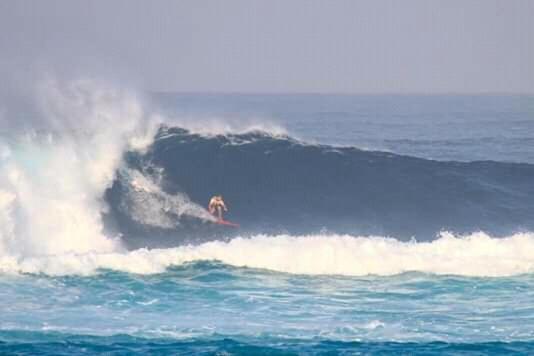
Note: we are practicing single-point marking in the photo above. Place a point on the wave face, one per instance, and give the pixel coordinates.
(274, 184)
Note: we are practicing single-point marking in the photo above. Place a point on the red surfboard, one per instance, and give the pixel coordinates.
(227, 223)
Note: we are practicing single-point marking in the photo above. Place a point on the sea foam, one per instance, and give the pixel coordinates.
(474, 255)
(52, 180)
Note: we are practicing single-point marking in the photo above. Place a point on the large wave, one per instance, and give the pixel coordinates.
(275, 184)
(474, 255)
(101, 176)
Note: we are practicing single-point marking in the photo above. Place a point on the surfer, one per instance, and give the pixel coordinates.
(216, 206)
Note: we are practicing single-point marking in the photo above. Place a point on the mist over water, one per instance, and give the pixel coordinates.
(54, 178)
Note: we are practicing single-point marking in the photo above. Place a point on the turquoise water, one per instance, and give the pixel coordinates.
(208, 307)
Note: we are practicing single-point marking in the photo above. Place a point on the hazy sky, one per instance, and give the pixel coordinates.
(277, 46)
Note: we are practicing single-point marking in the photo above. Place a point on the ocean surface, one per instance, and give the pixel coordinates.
(368, 224)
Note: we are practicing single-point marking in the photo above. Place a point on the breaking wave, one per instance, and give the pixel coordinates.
(276, 184)
(54, 175)
(103, 184)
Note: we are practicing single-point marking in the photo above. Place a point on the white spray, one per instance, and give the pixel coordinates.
(52, 181)
(146, 203)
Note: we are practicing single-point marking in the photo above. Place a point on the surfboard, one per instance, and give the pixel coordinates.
(226, 223)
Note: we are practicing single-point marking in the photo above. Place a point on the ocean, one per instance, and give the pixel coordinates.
(369, 224)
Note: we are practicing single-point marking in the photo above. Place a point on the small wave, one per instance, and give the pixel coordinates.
(214, 126)
(474, 255)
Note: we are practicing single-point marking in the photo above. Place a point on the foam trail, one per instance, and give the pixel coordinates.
(52, 181)
(146, 203)
(474, 255)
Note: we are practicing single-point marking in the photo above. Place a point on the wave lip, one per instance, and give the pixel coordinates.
(474, 255)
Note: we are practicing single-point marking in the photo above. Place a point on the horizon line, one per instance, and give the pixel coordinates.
(296, 93)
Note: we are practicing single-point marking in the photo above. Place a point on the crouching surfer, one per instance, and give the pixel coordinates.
(216, 206)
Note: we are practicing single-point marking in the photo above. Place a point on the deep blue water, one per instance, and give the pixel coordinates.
(369, 225)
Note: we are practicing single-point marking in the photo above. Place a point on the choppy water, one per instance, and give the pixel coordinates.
(210, 307)
(206, 307)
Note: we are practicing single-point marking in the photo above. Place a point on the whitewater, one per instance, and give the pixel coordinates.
(348, 244)
(475, 255)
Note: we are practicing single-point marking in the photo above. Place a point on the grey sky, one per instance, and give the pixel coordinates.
(277, 46)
